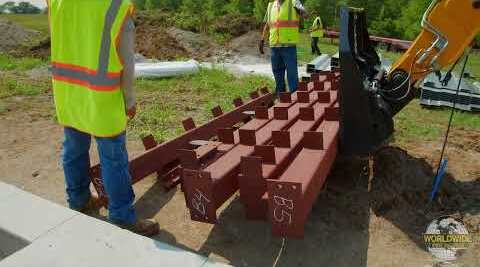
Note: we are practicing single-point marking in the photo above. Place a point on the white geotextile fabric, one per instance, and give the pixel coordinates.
(166, 69)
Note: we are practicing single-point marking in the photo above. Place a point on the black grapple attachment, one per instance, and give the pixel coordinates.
(366, 118)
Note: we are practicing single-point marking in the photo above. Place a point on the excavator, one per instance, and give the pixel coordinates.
(371, 95)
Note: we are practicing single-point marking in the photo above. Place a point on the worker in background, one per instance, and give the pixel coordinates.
(316, 32)
(92, 46)
(282, 26)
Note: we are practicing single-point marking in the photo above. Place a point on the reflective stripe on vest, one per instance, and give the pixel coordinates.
(85, 77)
(285, 24)
(101, 79)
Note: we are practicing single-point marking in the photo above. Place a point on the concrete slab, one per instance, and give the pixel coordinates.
(2, 254)
(35, 232)
(10, 243)
(211, 263)
(27, 216)
(7, 191)
(84, 241)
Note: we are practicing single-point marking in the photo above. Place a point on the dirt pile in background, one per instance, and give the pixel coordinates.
(12, 36)
(235, 25)
(197, 45)
(247, 44)
(152, 39)
(155, 38)
(154, 42)
(155, 18)
(38, 50)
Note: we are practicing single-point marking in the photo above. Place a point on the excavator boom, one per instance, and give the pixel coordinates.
(371, 96)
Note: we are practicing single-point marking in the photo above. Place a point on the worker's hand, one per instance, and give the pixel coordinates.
(261, 46)
(131, 112)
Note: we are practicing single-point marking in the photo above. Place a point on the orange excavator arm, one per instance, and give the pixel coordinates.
(449, 27)
(371, 96)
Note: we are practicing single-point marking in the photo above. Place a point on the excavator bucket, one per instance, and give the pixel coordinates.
(366, 120)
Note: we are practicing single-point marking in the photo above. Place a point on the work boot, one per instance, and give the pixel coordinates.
(92, 206)
(148, 227)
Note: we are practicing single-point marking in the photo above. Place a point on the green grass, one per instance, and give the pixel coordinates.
(38, 22)
(164, 103)
(10, 63)
(15, 82)
(21, 87)
(304, 49)
(473, 65)
(428, 124)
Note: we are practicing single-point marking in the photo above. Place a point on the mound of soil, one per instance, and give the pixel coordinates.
(247, 44)
(153, 18)
(465, 139)
(235, 25)
(155, 38)
(400, 192)
(39, 50)
(154, 42)
(12, 36)
(197, 45)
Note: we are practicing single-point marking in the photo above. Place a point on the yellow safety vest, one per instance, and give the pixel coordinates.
(283, 21)
(317, 28)
(86, 65)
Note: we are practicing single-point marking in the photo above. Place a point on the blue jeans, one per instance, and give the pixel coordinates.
(116, 177)
(285, 59)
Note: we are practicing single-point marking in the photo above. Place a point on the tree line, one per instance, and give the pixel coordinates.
(20, 8)
(390, 18)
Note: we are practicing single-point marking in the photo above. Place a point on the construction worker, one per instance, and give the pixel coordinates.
(92, 44)
(283, 19)
(316, 32)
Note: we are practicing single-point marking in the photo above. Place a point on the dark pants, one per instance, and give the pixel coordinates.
(315, 48)
(285, 59)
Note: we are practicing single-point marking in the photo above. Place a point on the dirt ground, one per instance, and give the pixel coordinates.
(14, 35)
(358, 220)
